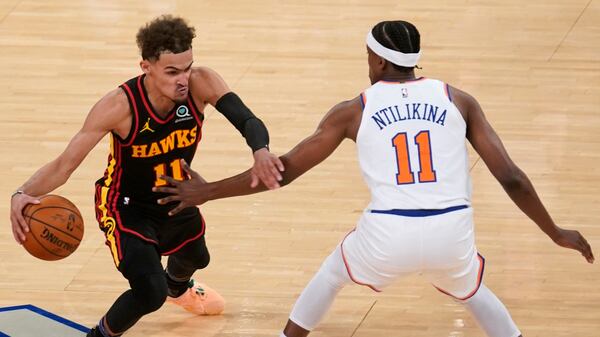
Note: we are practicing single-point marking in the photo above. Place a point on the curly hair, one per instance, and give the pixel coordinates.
(164, 34)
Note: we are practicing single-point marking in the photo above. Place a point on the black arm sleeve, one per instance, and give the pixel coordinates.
(238, 114)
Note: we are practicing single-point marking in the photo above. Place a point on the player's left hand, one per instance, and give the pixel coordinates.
(267, 168)
(574, 240)
(188, 192)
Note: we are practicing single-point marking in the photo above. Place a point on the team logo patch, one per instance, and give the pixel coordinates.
(146, 127)
(183, 114)
(404, 93)
(182, 111)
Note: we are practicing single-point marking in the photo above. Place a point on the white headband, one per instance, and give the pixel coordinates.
(394, 56)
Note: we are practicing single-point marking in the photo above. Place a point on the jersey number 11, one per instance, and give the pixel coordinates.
(161, 170)
(405, 174)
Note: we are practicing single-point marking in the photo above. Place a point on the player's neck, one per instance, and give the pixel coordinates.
(399, 76)
(162, 105)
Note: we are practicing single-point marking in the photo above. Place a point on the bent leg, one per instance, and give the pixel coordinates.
(182, 265)
(194, 297)
(142, 268)
(318, 296)
(464, 284)
(491, 315)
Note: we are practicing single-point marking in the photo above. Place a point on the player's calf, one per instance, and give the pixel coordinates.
(491, 315)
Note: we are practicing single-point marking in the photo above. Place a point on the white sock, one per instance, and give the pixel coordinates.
(319, 294)
(491, 315)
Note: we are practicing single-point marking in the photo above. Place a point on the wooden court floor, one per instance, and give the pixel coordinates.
(534, 66)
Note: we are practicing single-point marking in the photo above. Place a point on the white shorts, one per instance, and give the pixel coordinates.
(385, 247)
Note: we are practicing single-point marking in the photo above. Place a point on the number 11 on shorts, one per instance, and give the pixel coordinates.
(405, 174)
(161, 170)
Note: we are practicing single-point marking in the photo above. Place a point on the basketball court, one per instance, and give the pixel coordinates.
(29, 320)
(534, 66)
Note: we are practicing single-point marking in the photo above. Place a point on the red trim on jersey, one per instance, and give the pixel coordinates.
(117, 181)
(112, 204)
(111, 192)
(197, 117)
(348, 266)
(363, 99)
(479, 279)
(117, 193)
(136, 115)
(188, 240)
(118, 244)
(110, 157)
(114, 188)
(98, 201)
(147, 105)
(194, 110)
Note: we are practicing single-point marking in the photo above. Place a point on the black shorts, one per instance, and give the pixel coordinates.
(142, 259)
(168, 233)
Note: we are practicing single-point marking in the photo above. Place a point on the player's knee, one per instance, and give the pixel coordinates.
(150, 292)
(155, 298)
(203, 261)
(198, 261)
(334, 272)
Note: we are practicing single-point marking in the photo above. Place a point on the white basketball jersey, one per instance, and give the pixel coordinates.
(412, 148)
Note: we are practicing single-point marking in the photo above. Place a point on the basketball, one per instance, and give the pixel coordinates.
(55, 228)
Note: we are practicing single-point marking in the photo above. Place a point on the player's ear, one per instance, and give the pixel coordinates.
(145, 66)
(381, 63)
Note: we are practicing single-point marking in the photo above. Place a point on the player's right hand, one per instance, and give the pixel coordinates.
(19, 225)
(188, 193)
(574, 240)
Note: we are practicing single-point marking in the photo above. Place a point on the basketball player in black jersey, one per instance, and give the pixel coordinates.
(155, 122)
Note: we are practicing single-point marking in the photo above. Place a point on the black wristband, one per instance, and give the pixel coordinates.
(238, 114)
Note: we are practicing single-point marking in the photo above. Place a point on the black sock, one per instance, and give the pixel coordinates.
(93, 332)
(100, 330)
(176, 287)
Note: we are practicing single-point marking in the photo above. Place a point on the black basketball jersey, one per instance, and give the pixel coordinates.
(153, 147)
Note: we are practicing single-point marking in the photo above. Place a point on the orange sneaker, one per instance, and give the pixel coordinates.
(200, 300)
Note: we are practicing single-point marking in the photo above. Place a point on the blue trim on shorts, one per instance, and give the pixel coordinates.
(418, 213)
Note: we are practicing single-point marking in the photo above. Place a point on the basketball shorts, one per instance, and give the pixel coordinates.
(168, 233)
(385, 247)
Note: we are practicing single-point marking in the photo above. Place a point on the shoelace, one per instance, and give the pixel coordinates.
(198, 289)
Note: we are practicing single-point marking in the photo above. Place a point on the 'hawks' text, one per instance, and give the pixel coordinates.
(177, 139)
(422, 111)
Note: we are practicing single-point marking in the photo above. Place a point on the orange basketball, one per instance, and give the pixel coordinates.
(56, 228)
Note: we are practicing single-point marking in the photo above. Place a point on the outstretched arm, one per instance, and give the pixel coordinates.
(339, 123)
(514, 181)
(212, 89)
(106, 115)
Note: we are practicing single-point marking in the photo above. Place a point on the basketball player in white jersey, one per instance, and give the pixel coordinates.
(410, 133)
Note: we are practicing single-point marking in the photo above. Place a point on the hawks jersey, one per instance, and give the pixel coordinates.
(411, 146)
(153, 147)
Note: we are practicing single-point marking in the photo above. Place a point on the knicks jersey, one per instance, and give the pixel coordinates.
(411, 146)
(153, 147)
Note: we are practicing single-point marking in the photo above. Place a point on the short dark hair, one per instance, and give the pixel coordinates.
(166, 33)
(398, 35)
